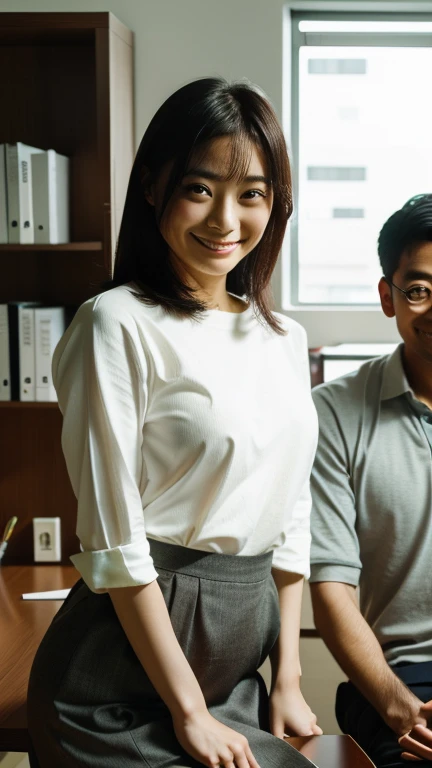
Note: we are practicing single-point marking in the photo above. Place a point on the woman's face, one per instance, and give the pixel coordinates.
(212, 223)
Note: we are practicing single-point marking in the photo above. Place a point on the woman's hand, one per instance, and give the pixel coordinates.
(212, 743)
(290, 715)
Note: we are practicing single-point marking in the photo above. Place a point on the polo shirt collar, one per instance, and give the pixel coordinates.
(395, 382)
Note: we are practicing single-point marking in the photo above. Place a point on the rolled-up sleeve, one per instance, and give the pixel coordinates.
(100, 373)
(294, 554)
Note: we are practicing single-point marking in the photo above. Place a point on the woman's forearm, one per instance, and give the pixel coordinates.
(144, 617)
(285, 657)
(289, 712)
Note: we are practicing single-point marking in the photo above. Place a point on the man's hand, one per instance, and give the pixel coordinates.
(354, 645)
(417, 742)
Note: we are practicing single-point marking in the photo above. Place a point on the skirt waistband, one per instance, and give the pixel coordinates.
(210, 565)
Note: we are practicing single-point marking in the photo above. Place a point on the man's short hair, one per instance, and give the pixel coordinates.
(410, 225)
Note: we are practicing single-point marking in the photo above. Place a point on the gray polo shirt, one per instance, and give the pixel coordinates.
(372, 502)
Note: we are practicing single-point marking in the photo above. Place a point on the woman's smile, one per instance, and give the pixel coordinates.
(217, 246)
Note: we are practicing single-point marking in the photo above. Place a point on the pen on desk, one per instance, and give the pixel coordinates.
(10, 525)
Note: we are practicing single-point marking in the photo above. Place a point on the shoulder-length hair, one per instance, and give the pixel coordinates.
(205, 109)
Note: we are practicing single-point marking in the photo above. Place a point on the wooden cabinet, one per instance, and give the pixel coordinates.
(66, 83)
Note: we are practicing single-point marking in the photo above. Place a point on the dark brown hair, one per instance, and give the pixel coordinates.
(194, 115)
(409, 226)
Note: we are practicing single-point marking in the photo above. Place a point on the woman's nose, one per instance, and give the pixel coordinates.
(223, 217)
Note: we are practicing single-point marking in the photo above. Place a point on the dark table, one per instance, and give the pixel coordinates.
(331, 751)
(22, 626)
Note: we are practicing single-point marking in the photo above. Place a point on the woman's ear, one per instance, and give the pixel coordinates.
(146, 181)
(386, 298)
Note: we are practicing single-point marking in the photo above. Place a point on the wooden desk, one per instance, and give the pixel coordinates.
(22, 626)
(331, 751)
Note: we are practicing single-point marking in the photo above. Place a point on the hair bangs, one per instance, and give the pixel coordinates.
(235, 164)
(239, 158)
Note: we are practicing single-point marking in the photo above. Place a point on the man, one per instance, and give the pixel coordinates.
(372, 513)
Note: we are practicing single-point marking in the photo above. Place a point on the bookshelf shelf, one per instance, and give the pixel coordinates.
(67, 80)
(42, 247)
(18, 405)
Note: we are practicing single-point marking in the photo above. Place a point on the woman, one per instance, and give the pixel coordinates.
(189, 435)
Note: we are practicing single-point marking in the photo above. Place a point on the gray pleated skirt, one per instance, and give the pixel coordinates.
(90, 702)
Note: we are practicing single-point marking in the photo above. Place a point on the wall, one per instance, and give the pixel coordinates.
(178, 40)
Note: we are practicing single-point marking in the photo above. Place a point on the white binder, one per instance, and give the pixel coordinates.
(3, 197)
(50, 180)
(27, 353)
(5, 388)
(22, 349)
(19, 192)
(50, 324)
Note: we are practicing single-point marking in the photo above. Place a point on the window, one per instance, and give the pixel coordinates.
(361, 145)
(348, 213)
(337, 66)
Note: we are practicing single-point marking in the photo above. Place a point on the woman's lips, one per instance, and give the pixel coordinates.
(217, 246)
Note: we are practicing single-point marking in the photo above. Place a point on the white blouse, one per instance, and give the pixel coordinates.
(194, 432)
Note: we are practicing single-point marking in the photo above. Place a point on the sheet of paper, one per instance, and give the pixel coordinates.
(52, 594)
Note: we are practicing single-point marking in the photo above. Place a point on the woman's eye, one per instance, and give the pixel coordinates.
(252, 194)
(198, 189)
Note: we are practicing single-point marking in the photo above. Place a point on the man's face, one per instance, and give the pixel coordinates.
(414, 322)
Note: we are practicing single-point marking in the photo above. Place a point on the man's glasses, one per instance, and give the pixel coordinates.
(419, 295)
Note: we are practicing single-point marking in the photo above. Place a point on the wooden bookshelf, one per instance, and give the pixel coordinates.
(67, 81)
(45, 248)
(17, 404)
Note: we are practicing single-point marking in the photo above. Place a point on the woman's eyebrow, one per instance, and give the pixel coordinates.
(212, 176)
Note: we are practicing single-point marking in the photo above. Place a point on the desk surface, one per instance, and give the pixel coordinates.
(22, 626)
(331, 751)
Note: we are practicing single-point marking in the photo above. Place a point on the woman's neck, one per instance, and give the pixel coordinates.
(210, 290)
(226, 303)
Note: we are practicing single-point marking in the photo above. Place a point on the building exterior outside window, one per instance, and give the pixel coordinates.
(362, 146)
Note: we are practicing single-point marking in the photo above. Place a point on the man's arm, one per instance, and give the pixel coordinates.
(336, 566)
(356, 649)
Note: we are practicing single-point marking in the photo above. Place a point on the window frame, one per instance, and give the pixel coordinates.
(331, 323)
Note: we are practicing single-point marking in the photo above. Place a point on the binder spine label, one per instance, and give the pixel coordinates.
(27, 354)
(13, 192)
(5, 388)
